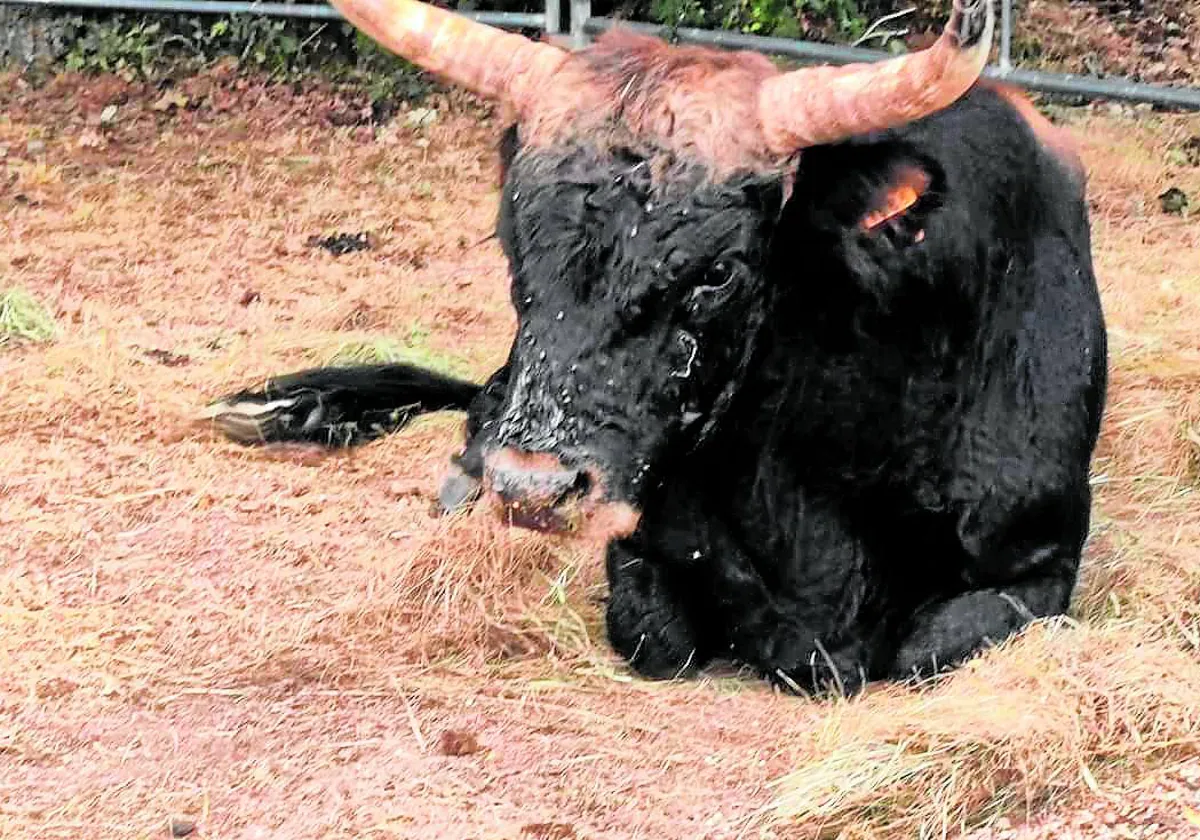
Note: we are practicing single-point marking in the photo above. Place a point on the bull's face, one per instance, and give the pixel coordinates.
(638, 301)
(638, 275)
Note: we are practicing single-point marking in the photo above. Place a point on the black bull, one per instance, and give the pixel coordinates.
(837, 427)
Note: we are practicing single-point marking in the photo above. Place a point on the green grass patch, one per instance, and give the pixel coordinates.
(385, 350)
(23, 319)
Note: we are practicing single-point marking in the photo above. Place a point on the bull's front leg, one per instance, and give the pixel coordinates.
(798, 627)
(788, 640)
(1021, 564)
(947, 633)
(648, 620)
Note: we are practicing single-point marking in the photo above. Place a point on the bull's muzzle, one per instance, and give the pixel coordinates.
(536, 490)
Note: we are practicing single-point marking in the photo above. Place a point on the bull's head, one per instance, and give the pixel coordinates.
(637, 216)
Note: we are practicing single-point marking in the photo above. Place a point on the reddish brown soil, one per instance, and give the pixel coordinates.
(285, 644)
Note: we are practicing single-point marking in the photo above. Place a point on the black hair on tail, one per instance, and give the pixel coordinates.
(337, 406)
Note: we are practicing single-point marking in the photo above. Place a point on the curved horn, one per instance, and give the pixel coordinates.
(487, 61)
(823, 104)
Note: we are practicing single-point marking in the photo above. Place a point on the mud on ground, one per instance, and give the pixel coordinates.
(283, 644)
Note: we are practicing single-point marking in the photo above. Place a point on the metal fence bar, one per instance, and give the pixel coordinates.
(581, 14)
(315, 11)
(1005, 60)
(1091, 87)
(552, 20)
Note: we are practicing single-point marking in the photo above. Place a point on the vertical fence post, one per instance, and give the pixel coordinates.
(1005, 36)
(553, 24)
(581, 12)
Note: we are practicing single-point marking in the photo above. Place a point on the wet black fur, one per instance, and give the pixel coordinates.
(877, 461)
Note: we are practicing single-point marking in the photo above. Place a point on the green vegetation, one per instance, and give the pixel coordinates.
(414, 350)
(838, 19)
(152, 46)
(148, 46)
(23, 319)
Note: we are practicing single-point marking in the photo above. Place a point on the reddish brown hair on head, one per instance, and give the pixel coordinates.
(694, 102)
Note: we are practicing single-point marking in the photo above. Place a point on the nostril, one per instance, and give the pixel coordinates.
(505, 483)
(579, 487)
(539, 482)
(540, 489)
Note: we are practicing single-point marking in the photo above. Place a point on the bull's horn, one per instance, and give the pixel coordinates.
(824, 104)
(487, 61)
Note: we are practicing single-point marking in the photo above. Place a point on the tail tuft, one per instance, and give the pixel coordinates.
(336, 406)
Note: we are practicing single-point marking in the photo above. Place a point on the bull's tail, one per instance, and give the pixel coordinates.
(337, 406)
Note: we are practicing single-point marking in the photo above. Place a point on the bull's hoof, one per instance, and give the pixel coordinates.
(792, 660)
(818, 678)
(659, 647)
(645, 624)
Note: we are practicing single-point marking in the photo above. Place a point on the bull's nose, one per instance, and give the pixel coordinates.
(539, 489)
(535, 487)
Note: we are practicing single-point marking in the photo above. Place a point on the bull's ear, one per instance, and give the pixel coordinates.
(899, 204)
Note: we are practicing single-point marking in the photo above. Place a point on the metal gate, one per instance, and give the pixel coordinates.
(581, 25)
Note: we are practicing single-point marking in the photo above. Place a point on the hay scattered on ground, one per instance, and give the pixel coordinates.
(187, 626)
(1043, 718)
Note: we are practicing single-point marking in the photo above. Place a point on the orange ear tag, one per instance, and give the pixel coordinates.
(900, 196)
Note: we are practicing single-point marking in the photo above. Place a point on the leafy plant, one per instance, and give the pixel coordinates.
(123, 45)
(837, 19)
(137, 45)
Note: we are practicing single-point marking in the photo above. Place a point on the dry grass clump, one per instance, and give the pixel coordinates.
(1039, 719)
(472, 588)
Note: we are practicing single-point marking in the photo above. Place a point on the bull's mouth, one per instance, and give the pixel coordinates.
(590, 522)
(536, 492)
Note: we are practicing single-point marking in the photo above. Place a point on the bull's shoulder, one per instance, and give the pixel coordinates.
(1055, 139)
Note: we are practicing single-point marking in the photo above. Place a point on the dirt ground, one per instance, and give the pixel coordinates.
(204, 639)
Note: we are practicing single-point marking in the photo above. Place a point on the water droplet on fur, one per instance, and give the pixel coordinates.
(696, 555)
(542, 356)
(529, 299)
(633, 231)
(559, 316)
(649, 206)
